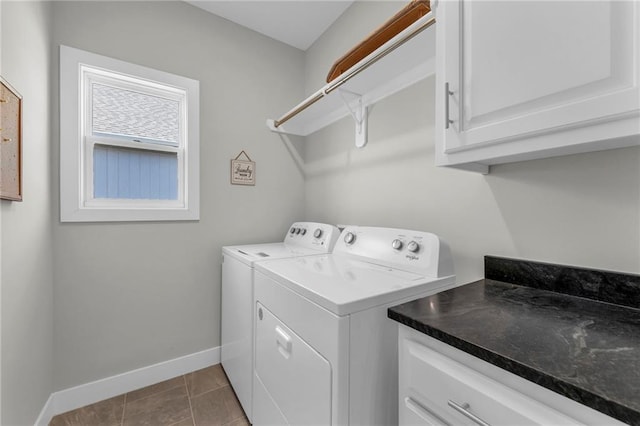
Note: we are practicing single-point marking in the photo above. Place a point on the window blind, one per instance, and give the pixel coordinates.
(126, 113)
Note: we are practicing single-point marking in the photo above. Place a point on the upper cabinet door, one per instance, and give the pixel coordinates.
(526, 79)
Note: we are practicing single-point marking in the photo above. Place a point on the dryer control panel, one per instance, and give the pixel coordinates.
(416, 251)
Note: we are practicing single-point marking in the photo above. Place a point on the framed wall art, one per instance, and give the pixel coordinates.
(243, 172)
(10, 142)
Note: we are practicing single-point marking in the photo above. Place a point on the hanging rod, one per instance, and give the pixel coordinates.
(357, 69)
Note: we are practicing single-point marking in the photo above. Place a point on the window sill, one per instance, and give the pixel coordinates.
(124, 214)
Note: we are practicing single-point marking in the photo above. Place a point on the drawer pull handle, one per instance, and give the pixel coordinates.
(6, 139)
(464, 410)
(3, 101)
(423, 412)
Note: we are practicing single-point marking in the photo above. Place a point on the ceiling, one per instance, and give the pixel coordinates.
(296, 23)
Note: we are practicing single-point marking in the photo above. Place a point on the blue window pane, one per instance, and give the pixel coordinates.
(134, 173)
(100, 173)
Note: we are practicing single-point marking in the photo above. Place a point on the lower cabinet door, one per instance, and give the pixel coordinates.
(294, 376)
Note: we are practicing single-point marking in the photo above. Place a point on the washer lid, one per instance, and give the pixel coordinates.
(345, 285)
(249, 254)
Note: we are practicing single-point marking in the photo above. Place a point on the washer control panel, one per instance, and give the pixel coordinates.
(320, 236)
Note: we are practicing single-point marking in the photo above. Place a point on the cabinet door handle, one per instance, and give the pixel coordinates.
(447, 93)
(423, 412)
(464, 410)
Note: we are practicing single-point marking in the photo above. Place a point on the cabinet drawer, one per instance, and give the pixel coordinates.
(437, 390)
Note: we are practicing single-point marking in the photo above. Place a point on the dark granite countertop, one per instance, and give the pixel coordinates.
(587, 350)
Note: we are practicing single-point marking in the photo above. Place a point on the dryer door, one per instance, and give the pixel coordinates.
(296, 377)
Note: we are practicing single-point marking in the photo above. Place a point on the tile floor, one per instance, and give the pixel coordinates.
(201, 398)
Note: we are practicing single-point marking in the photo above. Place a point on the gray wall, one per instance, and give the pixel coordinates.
(581, 209)
(130, 295)
(26, 275)
(127, 295)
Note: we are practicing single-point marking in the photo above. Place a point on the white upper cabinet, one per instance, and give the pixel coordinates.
(531, 79)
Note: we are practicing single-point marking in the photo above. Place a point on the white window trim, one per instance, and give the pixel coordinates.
(76, 201)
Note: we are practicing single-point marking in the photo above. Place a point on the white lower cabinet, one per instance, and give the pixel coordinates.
(440, 385)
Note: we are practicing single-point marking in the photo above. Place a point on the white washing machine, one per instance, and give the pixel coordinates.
(302, 239)
(325, 351)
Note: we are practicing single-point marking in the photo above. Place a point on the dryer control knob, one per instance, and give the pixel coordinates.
(396, 244)
(349, 238)
(413, 247)
(292, 231)
(303, 231)
(298, 230)
(317, 233)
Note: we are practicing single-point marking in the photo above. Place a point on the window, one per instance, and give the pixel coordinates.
(129, 141)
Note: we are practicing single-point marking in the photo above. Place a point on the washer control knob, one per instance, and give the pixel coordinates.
(396, 244)
(413, 247)
(349, 238)
(303, 231)
(317, 233)
(292, 231)
(298, 230)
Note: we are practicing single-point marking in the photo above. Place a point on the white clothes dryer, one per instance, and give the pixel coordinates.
(236, 354)
(325, 351)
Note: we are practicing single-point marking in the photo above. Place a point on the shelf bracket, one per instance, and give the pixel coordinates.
(360, 116)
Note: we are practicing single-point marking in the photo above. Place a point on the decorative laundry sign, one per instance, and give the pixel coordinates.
(243, 172)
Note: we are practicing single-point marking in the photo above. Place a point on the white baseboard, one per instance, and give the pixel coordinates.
(89, 393)
(46, 414)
